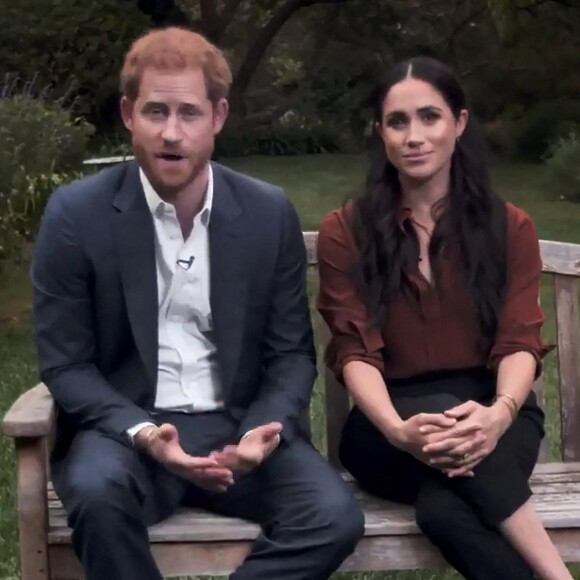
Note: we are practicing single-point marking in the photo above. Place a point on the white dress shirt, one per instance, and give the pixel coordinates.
(187, 374)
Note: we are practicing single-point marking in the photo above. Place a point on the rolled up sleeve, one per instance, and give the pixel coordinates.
(521, 318)
(353, 338)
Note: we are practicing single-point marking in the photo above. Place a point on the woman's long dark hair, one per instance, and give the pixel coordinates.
(473, 218)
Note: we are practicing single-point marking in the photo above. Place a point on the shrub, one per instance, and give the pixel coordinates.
(21, 209)
(543, 124)
(294, 134)
(40, 148)
(277, 141)
(563, 168)
(39, 138)
(64, 40)
(500, 137)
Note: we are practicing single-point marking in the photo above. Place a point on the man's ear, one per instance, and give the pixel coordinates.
(220, 114)
(127, 107)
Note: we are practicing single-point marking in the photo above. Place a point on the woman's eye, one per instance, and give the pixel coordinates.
(396, 123)
(430, 117)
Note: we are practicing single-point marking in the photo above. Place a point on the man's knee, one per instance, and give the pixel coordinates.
(342, 517)
(102, 495)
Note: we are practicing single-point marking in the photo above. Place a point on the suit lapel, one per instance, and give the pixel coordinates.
(135, 242)
(227, 276)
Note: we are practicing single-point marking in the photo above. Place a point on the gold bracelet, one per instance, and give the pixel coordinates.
(509, 408)
(509, 402)
(511, 399)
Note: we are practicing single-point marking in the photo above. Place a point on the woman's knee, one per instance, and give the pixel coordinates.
(494, 494)
(438, 513)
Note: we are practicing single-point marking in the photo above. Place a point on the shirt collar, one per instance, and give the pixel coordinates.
(403, 215)
(156, 204)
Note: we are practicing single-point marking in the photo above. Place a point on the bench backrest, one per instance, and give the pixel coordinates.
(561, 262)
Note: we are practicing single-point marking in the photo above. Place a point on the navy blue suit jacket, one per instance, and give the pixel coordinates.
(96, 308)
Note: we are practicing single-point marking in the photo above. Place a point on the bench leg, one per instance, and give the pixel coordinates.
(32, 508)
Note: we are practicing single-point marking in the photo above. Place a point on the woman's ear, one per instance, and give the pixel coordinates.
(378, 130)
(462, 121)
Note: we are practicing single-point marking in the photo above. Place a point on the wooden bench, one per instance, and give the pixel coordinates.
(193, 542)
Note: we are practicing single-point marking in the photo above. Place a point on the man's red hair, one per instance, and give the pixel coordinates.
(176, 49)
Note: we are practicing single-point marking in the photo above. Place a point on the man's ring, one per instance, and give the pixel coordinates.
(466, 456)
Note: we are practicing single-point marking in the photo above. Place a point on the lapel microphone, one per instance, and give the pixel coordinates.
(186, 264)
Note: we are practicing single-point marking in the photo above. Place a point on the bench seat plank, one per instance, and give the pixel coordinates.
(196, 542)
(556, 495)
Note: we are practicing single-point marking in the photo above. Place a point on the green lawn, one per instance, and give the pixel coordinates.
(316, 184)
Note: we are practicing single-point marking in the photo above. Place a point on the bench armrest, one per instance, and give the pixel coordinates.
(31, 415)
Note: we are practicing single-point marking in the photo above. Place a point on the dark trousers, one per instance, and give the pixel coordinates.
(310, 521)
(459, 515)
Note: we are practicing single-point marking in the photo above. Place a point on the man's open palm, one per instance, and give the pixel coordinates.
(205, 472)
(251, 450)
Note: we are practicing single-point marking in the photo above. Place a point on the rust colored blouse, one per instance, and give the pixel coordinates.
(442, 331)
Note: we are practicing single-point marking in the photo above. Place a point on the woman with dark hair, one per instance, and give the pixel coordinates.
(429, 283)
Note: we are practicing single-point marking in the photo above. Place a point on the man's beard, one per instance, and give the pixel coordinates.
(170, 190)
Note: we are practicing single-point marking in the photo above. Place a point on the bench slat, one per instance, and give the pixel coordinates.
(567, 315)
(558, 509)
(560, 257)
(187, 525)
(555, 470)
(557, 498)
(372, 554)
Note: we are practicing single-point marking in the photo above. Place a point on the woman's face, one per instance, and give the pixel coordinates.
(419, 129)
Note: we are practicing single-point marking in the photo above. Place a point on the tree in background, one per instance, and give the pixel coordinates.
(66, 41)
(303, 69)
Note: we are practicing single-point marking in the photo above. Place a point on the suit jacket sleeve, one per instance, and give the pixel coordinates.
(289, 358)
(64, 322)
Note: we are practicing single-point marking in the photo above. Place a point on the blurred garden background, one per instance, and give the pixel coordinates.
(303, 71)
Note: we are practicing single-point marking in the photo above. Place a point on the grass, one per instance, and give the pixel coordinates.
(316, 184)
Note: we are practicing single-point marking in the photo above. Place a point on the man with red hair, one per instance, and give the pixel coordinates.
(173, 331)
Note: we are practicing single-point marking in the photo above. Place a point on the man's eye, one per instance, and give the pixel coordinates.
(190, 114)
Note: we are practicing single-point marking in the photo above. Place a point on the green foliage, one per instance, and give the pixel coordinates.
(39, 145)
(21, 209)
(504, 15)
(563, 169)
(69, 40)
(279, 139)
(39, 137)
(500, 137)
(544, 124)
(110, 145)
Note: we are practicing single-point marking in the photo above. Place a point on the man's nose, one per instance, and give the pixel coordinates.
(172, 129)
